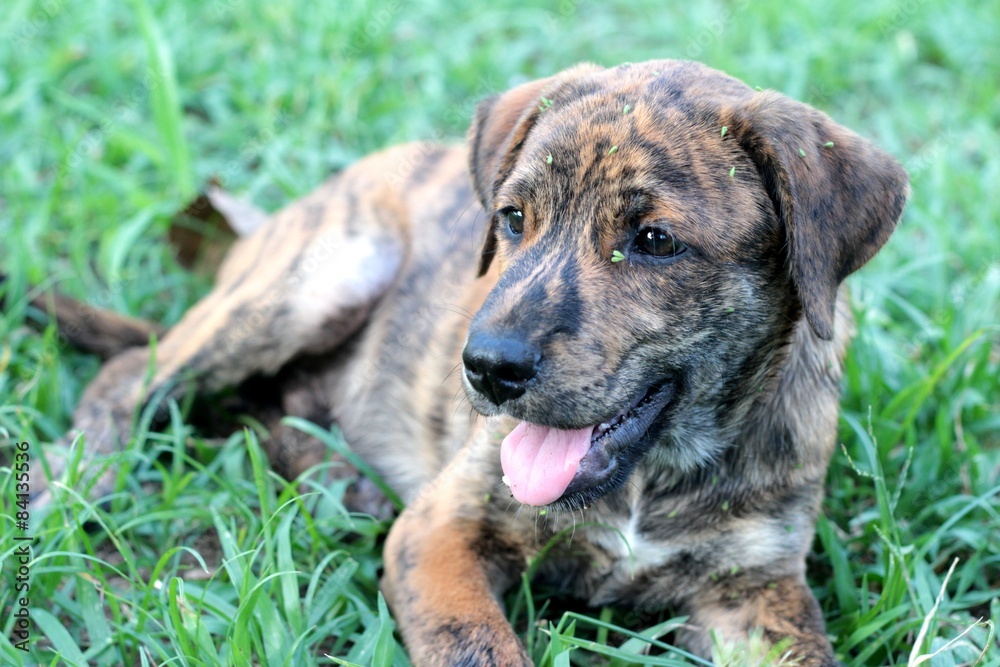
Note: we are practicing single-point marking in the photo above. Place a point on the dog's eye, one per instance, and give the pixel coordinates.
(514, 218)
(658, 243)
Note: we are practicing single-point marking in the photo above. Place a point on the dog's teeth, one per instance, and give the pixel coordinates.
(505, 480)
(600, 430)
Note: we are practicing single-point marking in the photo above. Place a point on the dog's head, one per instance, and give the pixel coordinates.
(659, 229)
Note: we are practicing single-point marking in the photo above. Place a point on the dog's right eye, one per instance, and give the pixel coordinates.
(515, 220)
(658, 243)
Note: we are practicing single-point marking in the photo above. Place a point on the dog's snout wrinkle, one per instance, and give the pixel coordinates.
(500, 366)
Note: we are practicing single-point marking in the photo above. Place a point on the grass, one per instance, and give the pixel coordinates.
(113, 114)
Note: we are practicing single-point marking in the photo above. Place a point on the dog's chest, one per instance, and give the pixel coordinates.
(616, 545)
(623, 553)
(650, 550)
(628, 546)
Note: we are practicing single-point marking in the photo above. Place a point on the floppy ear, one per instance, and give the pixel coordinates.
(501, 125)
(838, 195)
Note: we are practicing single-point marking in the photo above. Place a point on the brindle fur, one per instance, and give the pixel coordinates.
(360, 298)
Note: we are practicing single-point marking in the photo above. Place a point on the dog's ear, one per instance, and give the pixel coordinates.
(837, 194)
(501, 124)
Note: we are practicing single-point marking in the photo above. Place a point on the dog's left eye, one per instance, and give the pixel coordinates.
(658, 243)
(514, 218)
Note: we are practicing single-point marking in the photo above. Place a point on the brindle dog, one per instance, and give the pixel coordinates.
(655, 353)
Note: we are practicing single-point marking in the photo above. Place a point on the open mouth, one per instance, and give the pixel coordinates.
(543, 464)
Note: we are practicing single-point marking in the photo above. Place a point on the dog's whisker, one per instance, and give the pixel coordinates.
(458, 400)
(457, 310)
(450, 373)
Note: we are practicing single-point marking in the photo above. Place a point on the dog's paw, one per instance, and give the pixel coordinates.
(457, 643)
(102, 424)
(91, 480)
(364, 496)
(106, 409)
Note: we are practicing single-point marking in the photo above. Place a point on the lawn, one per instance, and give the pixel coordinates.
(113, 115)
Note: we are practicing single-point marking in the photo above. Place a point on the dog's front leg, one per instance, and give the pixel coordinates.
(446, 565)
(783, 609)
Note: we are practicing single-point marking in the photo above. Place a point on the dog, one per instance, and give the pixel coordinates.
(634, 275)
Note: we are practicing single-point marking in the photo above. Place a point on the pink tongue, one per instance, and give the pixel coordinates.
(540, 462)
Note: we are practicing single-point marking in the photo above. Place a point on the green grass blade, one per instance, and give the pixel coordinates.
(166, 100)
(63, 643)
(338, 445)
(385, 644)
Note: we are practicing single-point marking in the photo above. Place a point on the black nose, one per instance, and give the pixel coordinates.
(499, 367)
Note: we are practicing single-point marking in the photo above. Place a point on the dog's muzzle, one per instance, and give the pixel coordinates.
(555, 460)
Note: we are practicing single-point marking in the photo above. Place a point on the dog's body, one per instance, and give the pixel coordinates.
(662, 312)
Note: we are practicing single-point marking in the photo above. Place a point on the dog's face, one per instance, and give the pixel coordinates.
(652, 264)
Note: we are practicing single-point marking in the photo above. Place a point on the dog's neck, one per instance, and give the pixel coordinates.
(790, 432)
(781, 433)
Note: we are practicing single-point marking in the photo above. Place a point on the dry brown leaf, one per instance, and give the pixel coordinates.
(202, 232)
